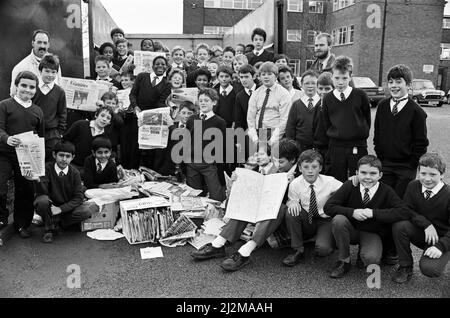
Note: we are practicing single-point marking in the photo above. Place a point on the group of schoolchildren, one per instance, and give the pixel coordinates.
(318, 127)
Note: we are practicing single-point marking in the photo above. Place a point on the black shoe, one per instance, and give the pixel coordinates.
(47, 237)
(24, 233)
(294, 259)
(402, 274)
(235, 262)
(3, 224)
(208, 251)
(340, 269)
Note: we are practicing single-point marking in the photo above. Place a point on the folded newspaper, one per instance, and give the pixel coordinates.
(153, 129)
(170, 190)
(31, 154)
(179, 233)
(82, 94)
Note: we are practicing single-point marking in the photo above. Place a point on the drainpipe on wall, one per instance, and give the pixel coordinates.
(383, 32)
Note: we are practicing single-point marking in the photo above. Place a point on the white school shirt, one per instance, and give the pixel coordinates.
(324, 187)
(58, 170)
(305, 100)
(21, 102)
(372, 190)
(208, 115)
(96, 130)
(435, 190)
(400, 105)
(346, 92)
(228, 89)
(46, 88)
(102, 164)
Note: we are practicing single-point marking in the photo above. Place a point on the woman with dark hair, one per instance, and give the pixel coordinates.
(109, 50)
(147, 45)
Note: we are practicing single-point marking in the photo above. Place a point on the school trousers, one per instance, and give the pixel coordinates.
(233, 229)
(51, 137)
(343, 161)
(23, 192)
(300, 229)
(405, 233)
(43, 204)
(398, 176)
(197, 174)
(370, 244)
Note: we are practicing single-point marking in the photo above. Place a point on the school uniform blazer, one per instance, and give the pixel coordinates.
(146, 96)
(315, 65)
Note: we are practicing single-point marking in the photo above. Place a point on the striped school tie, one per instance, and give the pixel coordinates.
(397, 102)
(310, 104)
(313, 211)
(342, 97)
(428, 194)
(366, 196)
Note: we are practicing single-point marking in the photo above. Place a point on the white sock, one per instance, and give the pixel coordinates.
(247, 248)
(218, 242)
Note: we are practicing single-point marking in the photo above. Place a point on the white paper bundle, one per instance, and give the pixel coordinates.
(31, 154)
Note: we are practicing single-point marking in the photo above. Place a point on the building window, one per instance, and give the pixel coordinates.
(343, 35)
(233, 4)
(295, 5)
(311, 37)
(294, 64)
(446, 23)
(445, 51)
(308, 64)
(207, 29)
(294, 35)
(340, 4)
(315, 7)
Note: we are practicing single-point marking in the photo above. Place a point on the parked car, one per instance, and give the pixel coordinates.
(373, 91)
(423, 92)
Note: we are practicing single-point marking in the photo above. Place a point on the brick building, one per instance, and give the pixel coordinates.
(444, 64)
(357, 27)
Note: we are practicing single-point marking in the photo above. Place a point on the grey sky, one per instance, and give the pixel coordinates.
(147, 16)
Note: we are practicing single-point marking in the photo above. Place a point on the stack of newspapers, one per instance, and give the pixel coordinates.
(31, 154)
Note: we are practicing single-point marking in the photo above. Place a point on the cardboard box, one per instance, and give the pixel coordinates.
(159, 218)
(103, 219)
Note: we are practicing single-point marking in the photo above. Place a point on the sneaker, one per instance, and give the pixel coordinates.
(24, 233)
(208, 251)
(340, 269)
(402, 274)
(235, 262)
(47, 237)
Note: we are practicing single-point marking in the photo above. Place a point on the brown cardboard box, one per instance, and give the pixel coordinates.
(103, 219)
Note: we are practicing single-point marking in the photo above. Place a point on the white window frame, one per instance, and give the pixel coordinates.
(213, 29)
(341, 4)
(295, 65)
(316, 5)
(295, 6)
(446, 23)
(233, 4)
(343, 35)
(312, 33)
(293, 35)
(445, 51)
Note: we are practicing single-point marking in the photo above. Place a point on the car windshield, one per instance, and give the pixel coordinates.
(423, 85)
(363, 82)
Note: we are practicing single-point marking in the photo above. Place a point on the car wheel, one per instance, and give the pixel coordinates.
(440, 104)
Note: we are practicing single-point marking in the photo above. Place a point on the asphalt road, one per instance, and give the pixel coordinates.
(29, 268)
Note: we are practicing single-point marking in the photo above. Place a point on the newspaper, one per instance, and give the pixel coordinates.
(143, 60)
(177, 240)
(170, 190)
(31, 154)
(123, 96)
(182, 225)
(154, 128)
(201, 239)
(255, 197)
(82, 94)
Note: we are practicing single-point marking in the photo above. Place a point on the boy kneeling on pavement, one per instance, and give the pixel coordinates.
(59, 194)
(287, 157)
